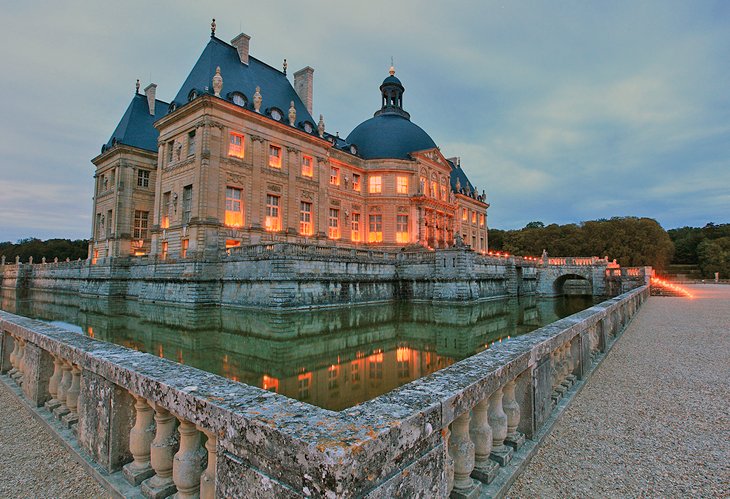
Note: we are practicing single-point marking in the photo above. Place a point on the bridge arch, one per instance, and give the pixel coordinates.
(573, 284)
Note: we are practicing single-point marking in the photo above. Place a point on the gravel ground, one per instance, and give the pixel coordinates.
(654, 420)
(32, 463)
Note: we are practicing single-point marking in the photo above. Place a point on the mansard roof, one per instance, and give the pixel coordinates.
(136, 126)
(239, 77)
(458, 175)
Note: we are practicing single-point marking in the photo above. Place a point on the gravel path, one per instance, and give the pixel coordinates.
(32, 463)
(654, 419)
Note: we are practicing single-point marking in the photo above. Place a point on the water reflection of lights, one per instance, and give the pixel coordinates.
(661, 283)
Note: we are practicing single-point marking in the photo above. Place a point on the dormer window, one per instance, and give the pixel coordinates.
(308, 127)
(276, 114)
(192, 95)
(238, 99)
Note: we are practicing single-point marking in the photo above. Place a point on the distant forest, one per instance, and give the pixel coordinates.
(631, 241)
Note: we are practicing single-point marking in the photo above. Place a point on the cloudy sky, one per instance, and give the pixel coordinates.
(563, 111)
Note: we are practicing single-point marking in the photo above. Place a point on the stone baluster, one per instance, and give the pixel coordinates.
(54, 382)
(72, 397)
(63, 388)
(511, 408)
(485, 470)
(187, 464)
(207, 479)
(449, 464)
(461, 449)
(498, 421)
(18, 376)
(162, 452)
(571, 364)
(140, 439)
(14, 357)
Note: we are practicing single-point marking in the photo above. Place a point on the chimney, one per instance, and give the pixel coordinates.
(456, 160)
(303, 86)
(241, 43)
(150, 91)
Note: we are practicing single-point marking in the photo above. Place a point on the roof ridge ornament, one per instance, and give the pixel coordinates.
(285, 66)
(212, 28)
(217, 82)
(292, 113)
(392, 67)
(136, 87)
(320, 126)
(257, 99)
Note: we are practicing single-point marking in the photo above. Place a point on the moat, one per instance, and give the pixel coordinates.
(332, 358)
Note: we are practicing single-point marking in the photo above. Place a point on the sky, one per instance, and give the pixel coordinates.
(562, 111)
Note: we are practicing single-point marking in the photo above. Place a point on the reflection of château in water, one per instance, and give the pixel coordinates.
(333, 358)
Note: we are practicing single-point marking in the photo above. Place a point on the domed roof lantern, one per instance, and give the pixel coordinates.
(392, 96)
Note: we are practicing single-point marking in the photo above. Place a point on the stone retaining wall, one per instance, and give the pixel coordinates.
(447, 434)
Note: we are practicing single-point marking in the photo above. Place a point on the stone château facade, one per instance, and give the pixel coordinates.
(238, 158)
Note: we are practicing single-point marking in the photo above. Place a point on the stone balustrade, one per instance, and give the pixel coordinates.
(168, 428)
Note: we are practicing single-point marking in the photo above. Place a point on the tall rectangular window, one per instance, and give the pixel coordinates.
(355, 228)
(481, 220)
(334, 175)
(423, 184)
(143, 178)
(191, 143)
(401, 229)
(473, 217)
(163, 251)
(273, 214)
(375, 234)
(184, 248)
(274, 156)
(99, 226)
(464, 214)
(333, 231)
(109, 225)
(236, 145)
(356, 182)
(141, 220)
(434, 189)
(443, 192)
(305, 219)
(187, 203)
(375, 184)
(402, 185)
(170, 150)
(166, 210)
(307, 166)
(234, 207)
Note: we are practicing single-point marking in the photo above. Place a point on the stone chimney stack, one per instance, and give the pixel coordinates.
(241, 43)
(150, 91)
(304, 85)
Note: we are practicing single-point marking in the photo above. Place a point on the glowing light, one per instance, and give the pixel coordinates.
(403, 354)
(270, 383)
(661, 283)
(91, 332)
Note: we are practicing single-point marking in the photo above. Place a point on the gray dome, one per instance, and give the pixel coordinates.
(389, 136)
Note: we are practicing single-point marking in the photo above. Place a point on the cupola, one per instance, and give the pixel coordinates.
(391, 91)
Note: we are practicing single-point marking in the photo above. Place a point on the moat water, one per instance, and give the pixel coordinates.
(333, 358)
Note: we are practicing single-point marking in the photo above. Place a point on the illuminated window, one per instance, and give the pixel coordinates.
(95, 257)
(187, 203)
(434, 188)
(402, 185)
(334, 175)
(232, 243)
(307, 166)
(422, 185)
(355, 372)
(184, 248)
(141, 219)
(166, 210)
(273, 215)
(304, 381)
(481, 220)
(333, 231)
(333, 372)
(163, 252)
(443, 193)
(464, 214)
(170, 150)
(143, 178)
(236, 145)
(356, 182)
(355, 228)
(99, 226)
(375, 234)
(401, 229)
(473, 217)
(305, 219)
(275, 156)
(375, 184)
(234, 207)
(191, 143)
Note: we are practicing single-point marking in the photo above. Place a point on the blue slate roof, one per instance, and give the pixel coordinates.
(238, 77)
(389, 136)
(135, 128)
(458, 174)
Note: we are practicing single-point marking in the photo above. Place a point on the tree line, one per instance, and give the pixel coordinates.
(707, 247)
(51, 248)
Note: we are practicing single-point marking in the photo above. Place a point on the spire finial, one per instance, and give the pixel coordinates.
(136, 87)
(392, 67)
(212, 28)
(285, 66)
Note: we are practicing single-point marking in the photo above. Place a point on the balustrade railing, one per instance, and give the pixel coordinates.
(164, 428)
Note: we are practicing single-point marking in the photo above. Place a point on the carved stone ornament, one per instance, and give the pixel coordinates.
(306, 195)
(273, 187)
(356, 207)
(235, 179)
(256, 138)
(402, 209)
(292, 114)
(320, 126)
(335, 202)
(459, 241)
(217, 82)
(458, 185)
(257, 100)
(375, 209)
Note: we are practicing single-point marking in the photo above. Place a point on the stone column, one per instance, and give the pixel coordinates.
(14, 357)
(186, 468)
(162, 451)
(462, 451)
(72, 397)
(63, 388)
(511, 408)
(449, 461)
(485, 470)
(140, 439)
(207, 479)
(18, 374)
(498, 421)
(54, 382)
